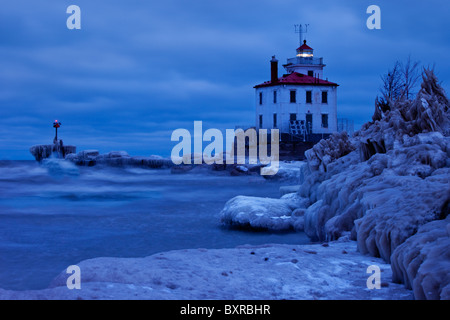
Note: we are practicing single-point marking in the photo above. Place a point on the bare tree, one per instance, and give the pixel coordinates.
(392, 87)
(410, 76)
(390, 90)
(398, 83)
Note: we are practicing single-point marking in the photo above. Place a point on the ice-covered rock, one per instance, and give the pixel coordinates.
(422, 262)
(153, 161)
(386, 182)
(394, 213)
(325, 151)
(383, 184)
(239, 170)
(83, 158)
(117, 159)
(262, 213)
(288, 171)
(55, 150)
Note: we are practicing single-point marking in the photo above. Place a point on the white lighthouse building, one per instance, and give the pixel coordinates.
(300, 103)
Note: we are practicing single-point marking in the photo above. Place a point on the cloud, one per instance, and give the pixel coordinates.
(139, 69)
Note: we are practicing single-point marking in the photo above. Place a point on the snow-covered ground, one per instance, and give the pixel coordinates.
(273, 271)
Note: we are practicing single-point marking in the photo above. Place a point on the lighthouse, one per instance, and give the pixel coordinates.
(300, 103)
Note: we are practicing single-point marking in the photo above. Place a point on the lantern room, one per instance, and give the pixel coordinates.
(305, 51)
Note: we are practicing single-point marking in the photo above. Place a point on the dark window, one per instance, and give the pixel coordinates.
(260, 121)
(324, 96)
(324, 121)
(260, 98)
(274, 120)
(308, 96)
(275, 96)
(311, 73)
(293, 96)
(293, 116)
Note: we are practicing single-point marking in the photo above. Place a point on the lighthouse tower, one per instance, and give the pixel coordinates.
(305, 63)
(300, 103)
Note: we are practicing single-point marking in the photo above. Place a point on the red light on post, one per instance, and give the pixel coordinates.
(56, 125)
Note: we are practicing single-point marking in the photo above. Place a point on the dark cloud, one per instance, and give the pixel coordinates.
(139, 69)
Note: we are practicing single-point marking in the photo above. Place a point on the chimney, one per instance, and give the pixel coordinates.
(273, 70)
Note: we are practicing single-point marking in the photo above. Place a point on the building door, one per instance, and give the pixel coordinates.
(309, 123)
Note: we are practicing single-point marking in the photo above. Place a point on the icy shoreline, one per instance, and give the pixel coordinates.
(268, 272)
(387, 185)
(380, 197)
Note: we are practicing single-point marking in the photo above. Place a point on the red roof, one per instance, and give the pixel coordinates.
(304, 47)
(296, 78)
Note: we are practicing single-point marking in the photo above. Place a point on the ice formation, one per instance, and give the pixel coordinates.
(56, 150)
(262, 213)
(117, 158)
(388, 186)
(422, 262)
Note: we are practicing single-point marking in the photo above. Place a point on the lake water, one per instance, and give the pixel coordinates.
(52, 218)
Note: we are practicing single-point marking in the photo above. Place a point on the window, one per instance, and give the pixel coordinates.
(260, 98)
(324, 96)
(275, 96)
(308, 96)
(292, 116)
(311, 73)
(324, 121)
(274, 120)
(293, 96)
(260, 121)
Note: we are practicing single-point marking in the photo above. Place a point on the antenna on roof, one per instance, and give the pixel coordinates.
(300, 31)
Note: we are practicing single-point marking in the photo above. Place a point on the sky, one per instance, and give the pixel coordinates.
(137, 70)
